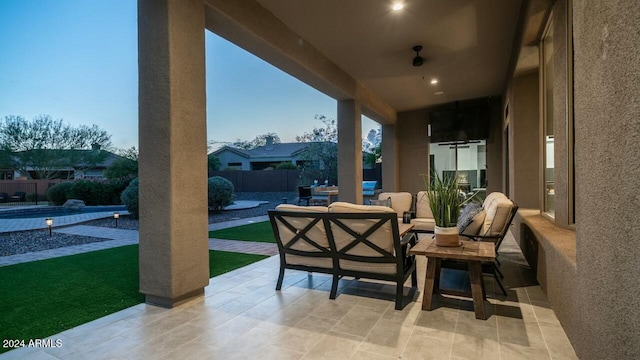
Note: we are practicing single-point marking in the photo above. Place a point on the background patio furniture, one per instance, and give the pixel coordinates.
(304, 194)
(19, 196)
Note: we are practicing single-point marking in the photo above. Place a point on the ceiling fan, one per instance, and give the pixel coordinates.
(418, 60)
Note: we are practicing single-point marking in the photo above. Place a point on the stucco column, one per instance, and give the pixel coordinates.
(350, 151)
(174, 258)
(607, 163)
(390, 168)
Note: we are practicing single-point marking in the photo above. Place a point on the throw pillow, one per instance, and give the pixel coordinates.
(467, 214)
(386, 202)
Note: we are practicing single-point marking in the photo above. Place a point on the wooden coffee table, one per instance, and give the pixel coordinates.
(472, 252)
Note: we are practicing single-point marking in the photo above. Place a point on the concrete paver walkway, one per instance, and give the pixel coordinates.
(122, 237)
(11, 225)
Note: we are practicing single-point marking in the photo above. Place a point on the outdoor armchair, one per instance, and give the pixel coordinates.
(499, 212)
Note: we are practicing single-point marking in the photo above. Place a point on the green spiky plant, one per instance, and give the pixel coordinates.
(445, 200)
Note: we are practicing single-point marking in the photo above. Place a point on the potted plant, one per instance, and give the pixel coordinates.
(445, 201)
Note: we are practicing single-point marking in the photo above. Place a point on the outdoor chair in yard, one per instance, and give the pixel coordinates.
(19, 196)
(304, 194)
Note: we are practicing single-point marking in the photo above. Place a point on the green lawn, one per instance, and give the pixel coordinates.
(260, 232)
(42, 298)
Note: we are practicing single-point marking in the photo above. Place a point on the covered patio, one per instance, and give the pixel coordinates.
(490, 48)
(240, 316)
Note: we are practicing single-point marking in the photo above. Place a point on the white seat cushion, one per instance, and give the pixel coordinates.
(424, 224)
(400, 201)
(497, 208)
(423, 210)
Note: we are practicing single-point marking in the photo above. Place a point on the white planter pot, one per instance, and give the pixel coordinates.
(447, 236)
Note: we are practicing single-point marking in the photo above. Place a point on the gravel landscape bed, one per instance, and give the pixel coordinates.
(21, 242)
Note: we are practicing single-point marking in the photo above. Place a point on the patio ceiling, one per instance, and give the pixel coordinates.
(467, 44)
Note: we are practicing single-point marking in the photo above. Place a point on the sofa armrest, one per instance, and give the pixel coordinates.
(409, 238)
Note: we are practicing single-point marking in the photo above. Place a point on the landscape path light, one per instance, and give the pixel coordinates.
(49, 222)
(116, 216)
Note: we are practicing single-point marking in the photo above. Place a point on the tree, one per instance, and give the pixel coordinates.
(213, 162)
(321, 158)
(44, 148)
(372, 146)
(125, 167)
(260, 140)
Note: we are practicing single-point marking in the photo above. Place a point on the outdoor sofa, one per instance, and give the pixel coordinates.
(490, 224)
(344, 239)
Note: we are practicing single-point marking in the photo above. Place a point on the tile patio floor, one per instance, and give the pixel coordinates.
(243, 317)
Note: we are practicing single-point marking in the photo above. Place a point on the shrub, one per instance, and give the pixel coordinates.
(91, 192)
(220, 192)
(130, 198)
(57, 194)
(113, 189)
(286, 166)
(31, 197)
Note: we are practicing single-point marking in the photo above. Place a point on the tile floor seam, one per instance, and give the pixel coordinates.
(455, 331)
(413, 329)
(544, 339)
(369, 333)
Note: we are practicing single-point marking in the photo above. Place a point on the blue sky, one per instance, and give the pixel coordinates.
(77, 60)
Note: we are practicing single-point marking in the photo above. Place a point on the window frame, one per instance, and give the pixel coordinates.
(543, 121)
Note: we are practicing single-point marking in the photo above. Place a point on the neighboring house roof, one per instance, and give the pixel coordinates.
(280, 150)
(240, 152)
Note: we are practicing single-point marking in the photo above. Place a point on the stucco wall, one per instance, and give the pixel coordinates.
(413, 149)
(607, 155)
(525, 140)
(414, 145)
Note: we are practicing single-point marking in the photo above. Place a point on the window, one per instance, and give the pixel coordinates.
(466, 159)
(548, 175)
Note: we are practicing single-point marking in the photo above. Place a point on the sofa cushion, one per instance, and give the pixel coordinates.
(424, 224)
(423, 210)
(467, 213)
(380, 268)
(386, 202)
(291, 207)
(382, 237)
(497, 209)
(400, 201)
(321, 262)
(316, 234)
(474, 227)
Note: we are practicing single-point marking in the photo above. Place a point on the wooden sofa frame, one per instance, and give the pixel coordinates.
(405, 264)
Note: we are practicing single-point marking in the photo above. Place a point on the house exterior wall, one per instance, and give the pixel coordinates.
(525, 140)
(589, 271)
(226, 157)
(413, 149)
(607, 164)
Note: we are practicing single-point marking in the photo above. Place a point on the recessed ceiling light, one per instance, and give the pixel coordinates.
(434, 81)
(397, 6)
(438, 93)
